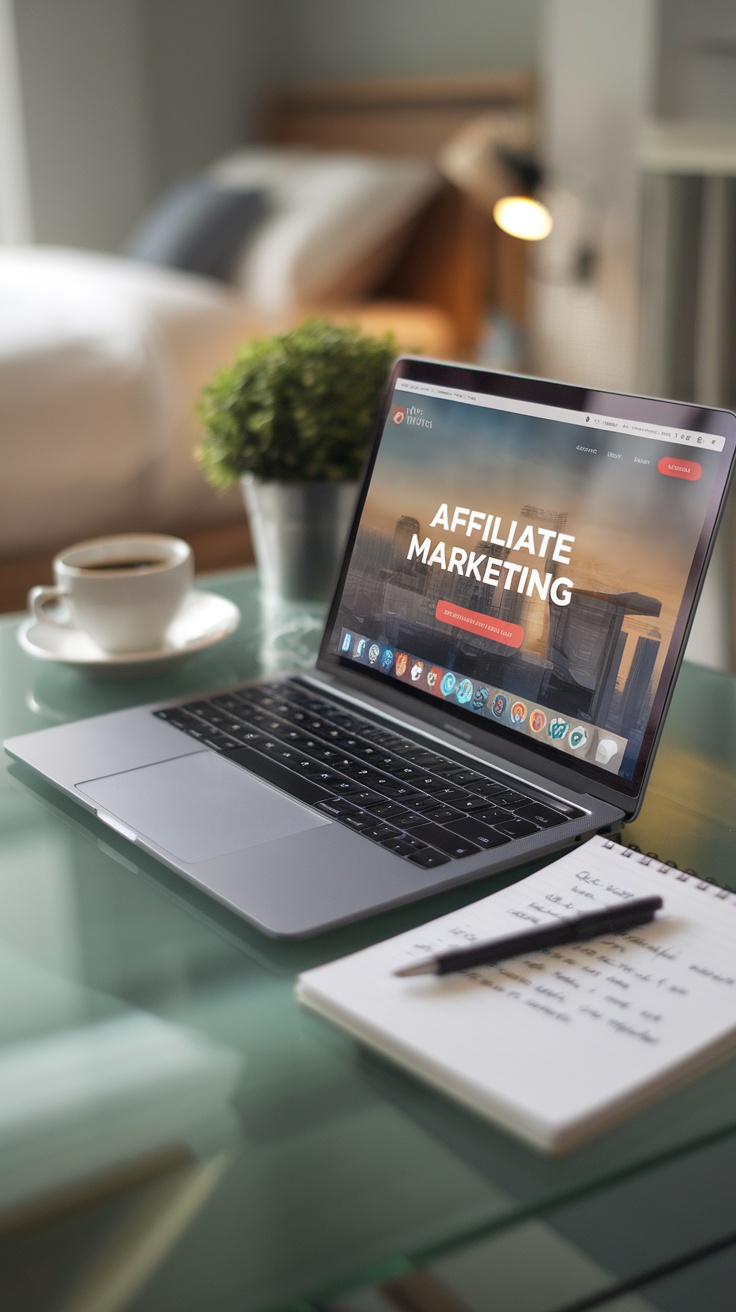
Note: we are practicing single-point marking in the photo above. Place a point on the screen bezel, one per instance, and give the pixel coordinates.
(531, 754)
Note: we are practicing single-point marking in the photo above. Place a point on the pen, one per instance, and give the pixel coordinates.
(608, 920)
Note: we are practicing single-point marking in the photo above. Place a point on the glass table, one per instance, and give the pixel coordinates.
(279, 1164)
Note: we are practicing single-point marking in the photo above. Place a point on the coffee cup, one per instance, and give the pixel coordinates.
(122, 591)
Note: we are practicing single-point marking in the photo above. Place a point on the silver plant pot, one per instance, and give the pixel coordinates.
(299, 532)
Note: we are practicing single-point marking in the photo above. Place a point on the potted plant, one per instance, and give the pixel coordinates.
(290, 419)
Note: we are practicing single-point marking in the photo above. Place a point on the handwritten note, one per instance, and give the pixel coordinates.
(553, 1041)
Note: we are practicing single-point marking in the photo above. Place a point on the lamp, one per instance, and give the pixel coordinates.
(491, 159)
(522, 214)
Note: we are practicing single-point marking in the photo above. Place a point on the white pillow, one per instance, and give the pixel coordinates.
(333, 219)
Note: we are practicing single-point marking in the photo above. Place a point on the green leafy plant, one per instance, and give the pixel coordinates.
(296, 407)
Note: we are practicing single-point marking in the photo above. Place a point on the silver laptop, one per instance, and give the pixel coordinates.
(500, 652)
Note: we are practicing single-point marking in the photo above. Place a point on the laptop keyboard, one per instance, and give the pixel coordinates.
(426, 806)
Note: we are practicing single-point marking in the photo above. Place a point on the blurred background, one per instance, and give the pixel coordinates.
(111, 111)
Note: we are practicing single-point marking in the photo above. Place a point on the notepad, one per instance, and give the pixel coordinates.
(556, 1045)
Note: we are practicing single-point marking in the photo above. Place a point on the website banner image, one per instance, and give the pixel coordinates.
(525, 568)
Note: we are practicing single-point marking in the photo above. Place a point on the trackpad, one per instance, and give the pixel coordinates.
(200, 806)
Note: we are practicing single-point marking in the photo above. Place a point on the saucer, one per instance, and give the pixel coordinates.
(204, 620)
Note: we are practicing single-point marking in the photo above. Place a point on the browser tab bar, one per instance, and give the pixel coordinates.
(606, 423)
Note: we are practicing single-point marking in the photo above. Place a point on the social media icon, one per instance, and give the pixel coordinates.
(579, 736)
(387, 659)
(480, 698)
(558, 729)
(374, 651)
(435, 674)
(417, 670)
(605, 751)
(360, 647)
(448, 684)
(499, 705)
(402, 660)
(464, 691)
(347, 642)
(519, 712)
(537, 721)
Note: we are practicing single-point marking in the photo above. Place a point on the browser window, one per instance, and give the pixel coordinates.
(527, 564)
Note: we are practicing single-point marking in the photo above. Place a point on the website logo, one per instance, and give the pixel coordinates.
(537, 721)
(398, 414)
(374, 651)
(360, 647)
(347, 642)
(402, 660)
(558, 729)
(519, 712)
(579, 737)
(415, 415)
(480, 699)
(417, 671)
(387, 659)
(448, 684)
(499, 705)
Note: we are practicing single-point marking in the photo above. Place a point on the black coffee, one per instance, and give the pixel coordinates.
(138, 563)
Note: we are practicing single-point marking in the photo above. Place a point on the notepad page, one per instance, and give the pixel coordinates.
(553, 1041)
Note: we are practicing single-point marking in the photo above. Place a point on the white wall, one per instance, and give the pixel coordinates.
(208, 63)
(86, 114)
(335, 39)
(15, 197)
(597, 83)
(121, 97)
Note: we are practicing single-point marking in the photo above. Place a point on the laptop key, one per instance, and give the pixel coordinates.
(545, 816)
(413, 821)
(492, 815)
(486, 788)
(517, 828)
(387, 810)
(364, 797)
(379, 832)
(509, 798)
(275, 772)
(471, 804)
(392, 788)
(337, 807)
(219, 741)
(452, 796)
(453, 844)
(428, 859)
(403, 846)
(439, 815)
(483, 835)
(359, 820)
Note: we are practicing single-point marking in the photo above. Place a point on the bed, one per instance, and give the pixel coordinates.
(102, 357)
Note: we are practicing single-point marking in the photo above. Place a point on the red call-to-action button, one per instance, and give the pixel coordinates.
(677, 468)
(474, 621)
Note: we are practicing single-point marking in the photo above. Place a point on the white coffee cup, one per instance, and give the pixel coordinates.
(123, 591)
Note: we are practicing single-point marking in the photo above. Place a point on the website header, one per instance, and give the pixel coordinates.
(590, 421)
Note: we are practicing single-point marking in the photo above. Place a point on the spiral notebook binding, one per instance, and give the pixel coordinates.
(688, 875)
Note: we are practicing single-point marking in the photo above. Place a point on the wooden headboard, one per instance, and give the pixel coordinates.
(454, 257)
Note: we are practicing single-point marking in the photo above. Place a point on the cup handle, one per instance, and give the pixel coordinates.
(39, 598)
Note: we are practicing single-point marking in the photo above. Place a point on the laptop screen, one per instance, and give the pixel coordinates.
(528, 554)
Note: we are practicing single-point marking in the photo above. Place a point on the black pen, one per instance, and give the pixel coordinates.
(608, 920)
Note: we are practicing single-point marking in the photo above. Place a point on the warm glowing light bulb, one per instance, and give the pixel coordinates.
(523, 217)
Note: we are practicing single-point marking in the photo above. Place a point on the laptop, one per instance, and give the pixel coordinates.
(499, 655)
